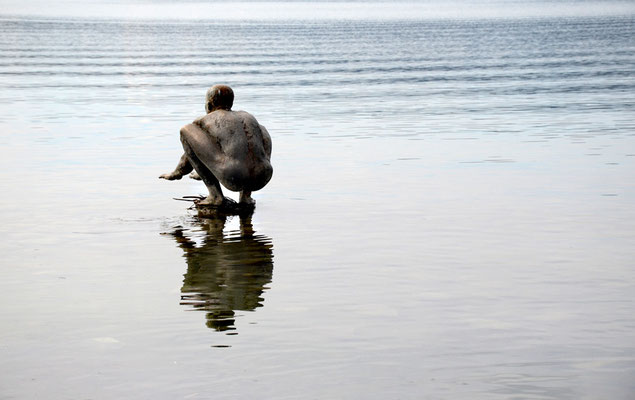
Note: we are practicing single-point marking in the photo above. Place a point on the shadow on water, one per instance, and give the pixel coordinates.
(226, 271)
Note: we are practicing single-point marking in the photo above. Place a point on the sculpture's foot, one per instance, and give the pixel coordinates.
(246, 199)
(213, 201)
(226, 207)
(195, 175)
(248, 202)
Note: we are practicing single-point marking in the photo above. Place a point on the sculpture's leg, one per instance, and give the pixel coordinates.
(245, 197)
(191, 139)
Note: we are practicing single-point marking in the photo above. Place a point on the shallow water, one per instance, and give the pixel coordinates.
(451, 213)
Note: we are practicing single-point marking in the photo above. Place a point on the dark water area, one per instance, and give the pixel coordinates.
(451, 213)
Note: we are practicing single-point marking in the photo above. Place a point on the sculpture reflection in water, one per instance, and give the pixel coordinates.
(226, 272)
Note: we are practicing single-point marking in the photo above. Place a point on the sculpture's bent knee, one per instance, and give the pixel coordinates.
(186, 134)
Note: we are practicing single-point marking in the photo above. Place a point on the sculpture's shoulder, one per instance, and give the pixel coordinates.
(209, 118)
(201, 121)
(225, 119)
(245, 117)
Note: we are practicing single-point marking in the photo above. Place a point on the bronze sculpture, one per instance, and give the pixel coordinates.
(225, 147)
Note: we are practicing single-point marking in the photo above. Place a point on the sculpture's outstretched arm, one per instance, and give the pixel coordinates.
(183, 168)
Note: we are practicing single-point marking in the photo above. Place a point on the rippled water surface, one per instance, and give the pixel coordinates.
(451, 214)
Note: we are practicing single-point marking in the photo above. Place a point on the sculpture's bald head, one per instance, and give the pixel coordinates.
(219, 97)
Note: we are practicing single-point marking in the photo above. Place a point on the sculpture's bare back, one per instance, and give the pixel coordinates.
(225, 146)
(241, 149)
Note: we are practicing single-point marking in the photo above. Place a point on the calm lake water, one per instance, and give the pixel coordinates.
(452, 212)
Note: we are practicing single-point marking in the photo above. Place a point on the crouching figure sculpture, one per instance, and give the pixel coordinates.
(225, 147)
